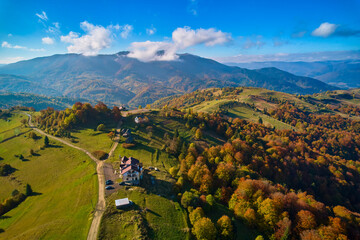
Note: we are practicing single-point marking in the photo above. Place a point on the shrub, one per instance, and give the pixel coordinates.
(101, 127)
(204, 229)
(101, 155)
(11, 203)
(5, 169)
(225, 227)
(15, 192)
(32, 135)
(196, 214)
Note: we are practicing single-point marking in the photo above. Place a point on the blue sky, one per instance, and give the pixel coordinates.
(224, 30)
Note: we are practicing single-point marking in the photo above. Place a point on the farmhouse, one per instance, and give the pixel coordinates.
(141, 119)
(122, 203)
(130, 170)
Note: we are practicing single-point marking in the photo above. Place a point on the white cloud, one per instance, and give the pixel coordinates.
(126, 30)
(95, 39)
(36, 49)
(42, 16)
(151, 31)
(47, 40)
(8, 45)
(11, 60)
(150, 51)
(54, 28)
(251, 43)
(182, 38)
(325, 30)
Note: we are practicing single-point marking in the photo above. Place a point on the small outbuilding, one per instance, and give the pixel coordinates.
(122, 203)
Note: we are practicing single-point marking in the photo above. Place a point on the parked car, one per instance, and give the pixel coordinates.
(121, 183)
(108, 182)
(109, 187)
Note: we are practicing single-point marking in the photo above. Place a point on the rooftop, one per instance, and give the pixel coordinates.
(122, 202)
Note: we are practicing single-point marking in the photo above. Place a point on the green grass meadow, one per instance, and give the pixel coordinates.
(151, 217)
(65, 186)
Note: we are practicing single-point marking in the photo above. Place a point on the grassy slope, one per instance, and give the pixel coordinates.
(248, 95)
(146, 145)
(241, 112)
(92, 140)
(12, 126)
(67, 191)
(164, 218)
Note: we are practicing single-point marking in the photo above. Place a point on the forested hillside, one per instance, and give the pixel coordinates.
(294, 177)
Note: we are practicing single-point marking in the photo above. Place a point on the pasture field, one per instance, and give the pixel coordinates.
(64, 184)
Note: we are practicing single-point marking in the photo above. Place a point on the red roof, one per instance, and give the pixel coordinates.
(130, 167)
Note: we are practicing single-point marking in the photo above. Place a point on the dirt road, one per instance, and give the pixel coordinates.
(101, 204)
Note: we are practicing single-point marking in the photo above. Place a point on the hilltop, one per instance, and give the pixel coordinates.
(343, 74)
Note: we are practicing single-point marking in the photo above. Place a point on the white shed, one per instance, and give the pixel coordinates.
(124, 202)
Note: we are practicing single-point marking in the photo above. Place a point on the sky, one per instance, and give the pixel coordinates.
(227, 31)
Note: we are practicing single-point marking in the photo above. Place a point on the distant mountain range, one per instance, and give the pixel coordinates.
(343, 74)
(118, 79)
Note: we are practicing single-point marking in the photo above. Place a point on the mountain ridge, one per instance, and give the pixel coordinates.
(339, 73)
(118, 79)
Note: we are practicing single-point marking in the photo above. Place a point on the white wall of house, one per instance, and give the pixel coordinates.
(131, 176)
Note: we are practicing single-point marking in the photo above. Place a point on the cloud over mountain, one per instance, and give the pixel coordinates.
(89, 44)
(182, 38)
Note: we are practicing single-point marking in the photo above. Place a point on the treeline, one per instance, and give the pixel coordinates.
(319, 162)
(7, 113)
(15, 199)
(198, 97)
(61, 122)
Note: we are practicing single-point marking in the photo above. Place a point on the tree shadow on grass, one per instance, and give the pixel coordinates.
(35, 194)
(152, 212)
(157, 186)
(54, 146)
(96, 133)
(37, 137)
(4, 217)
(10, 171)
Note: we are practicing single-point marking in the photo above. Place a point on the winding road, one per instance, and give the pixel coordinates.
(101, 204)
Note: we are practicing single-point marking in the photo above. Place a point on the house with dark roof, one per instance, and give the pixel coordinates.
(130, 170)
